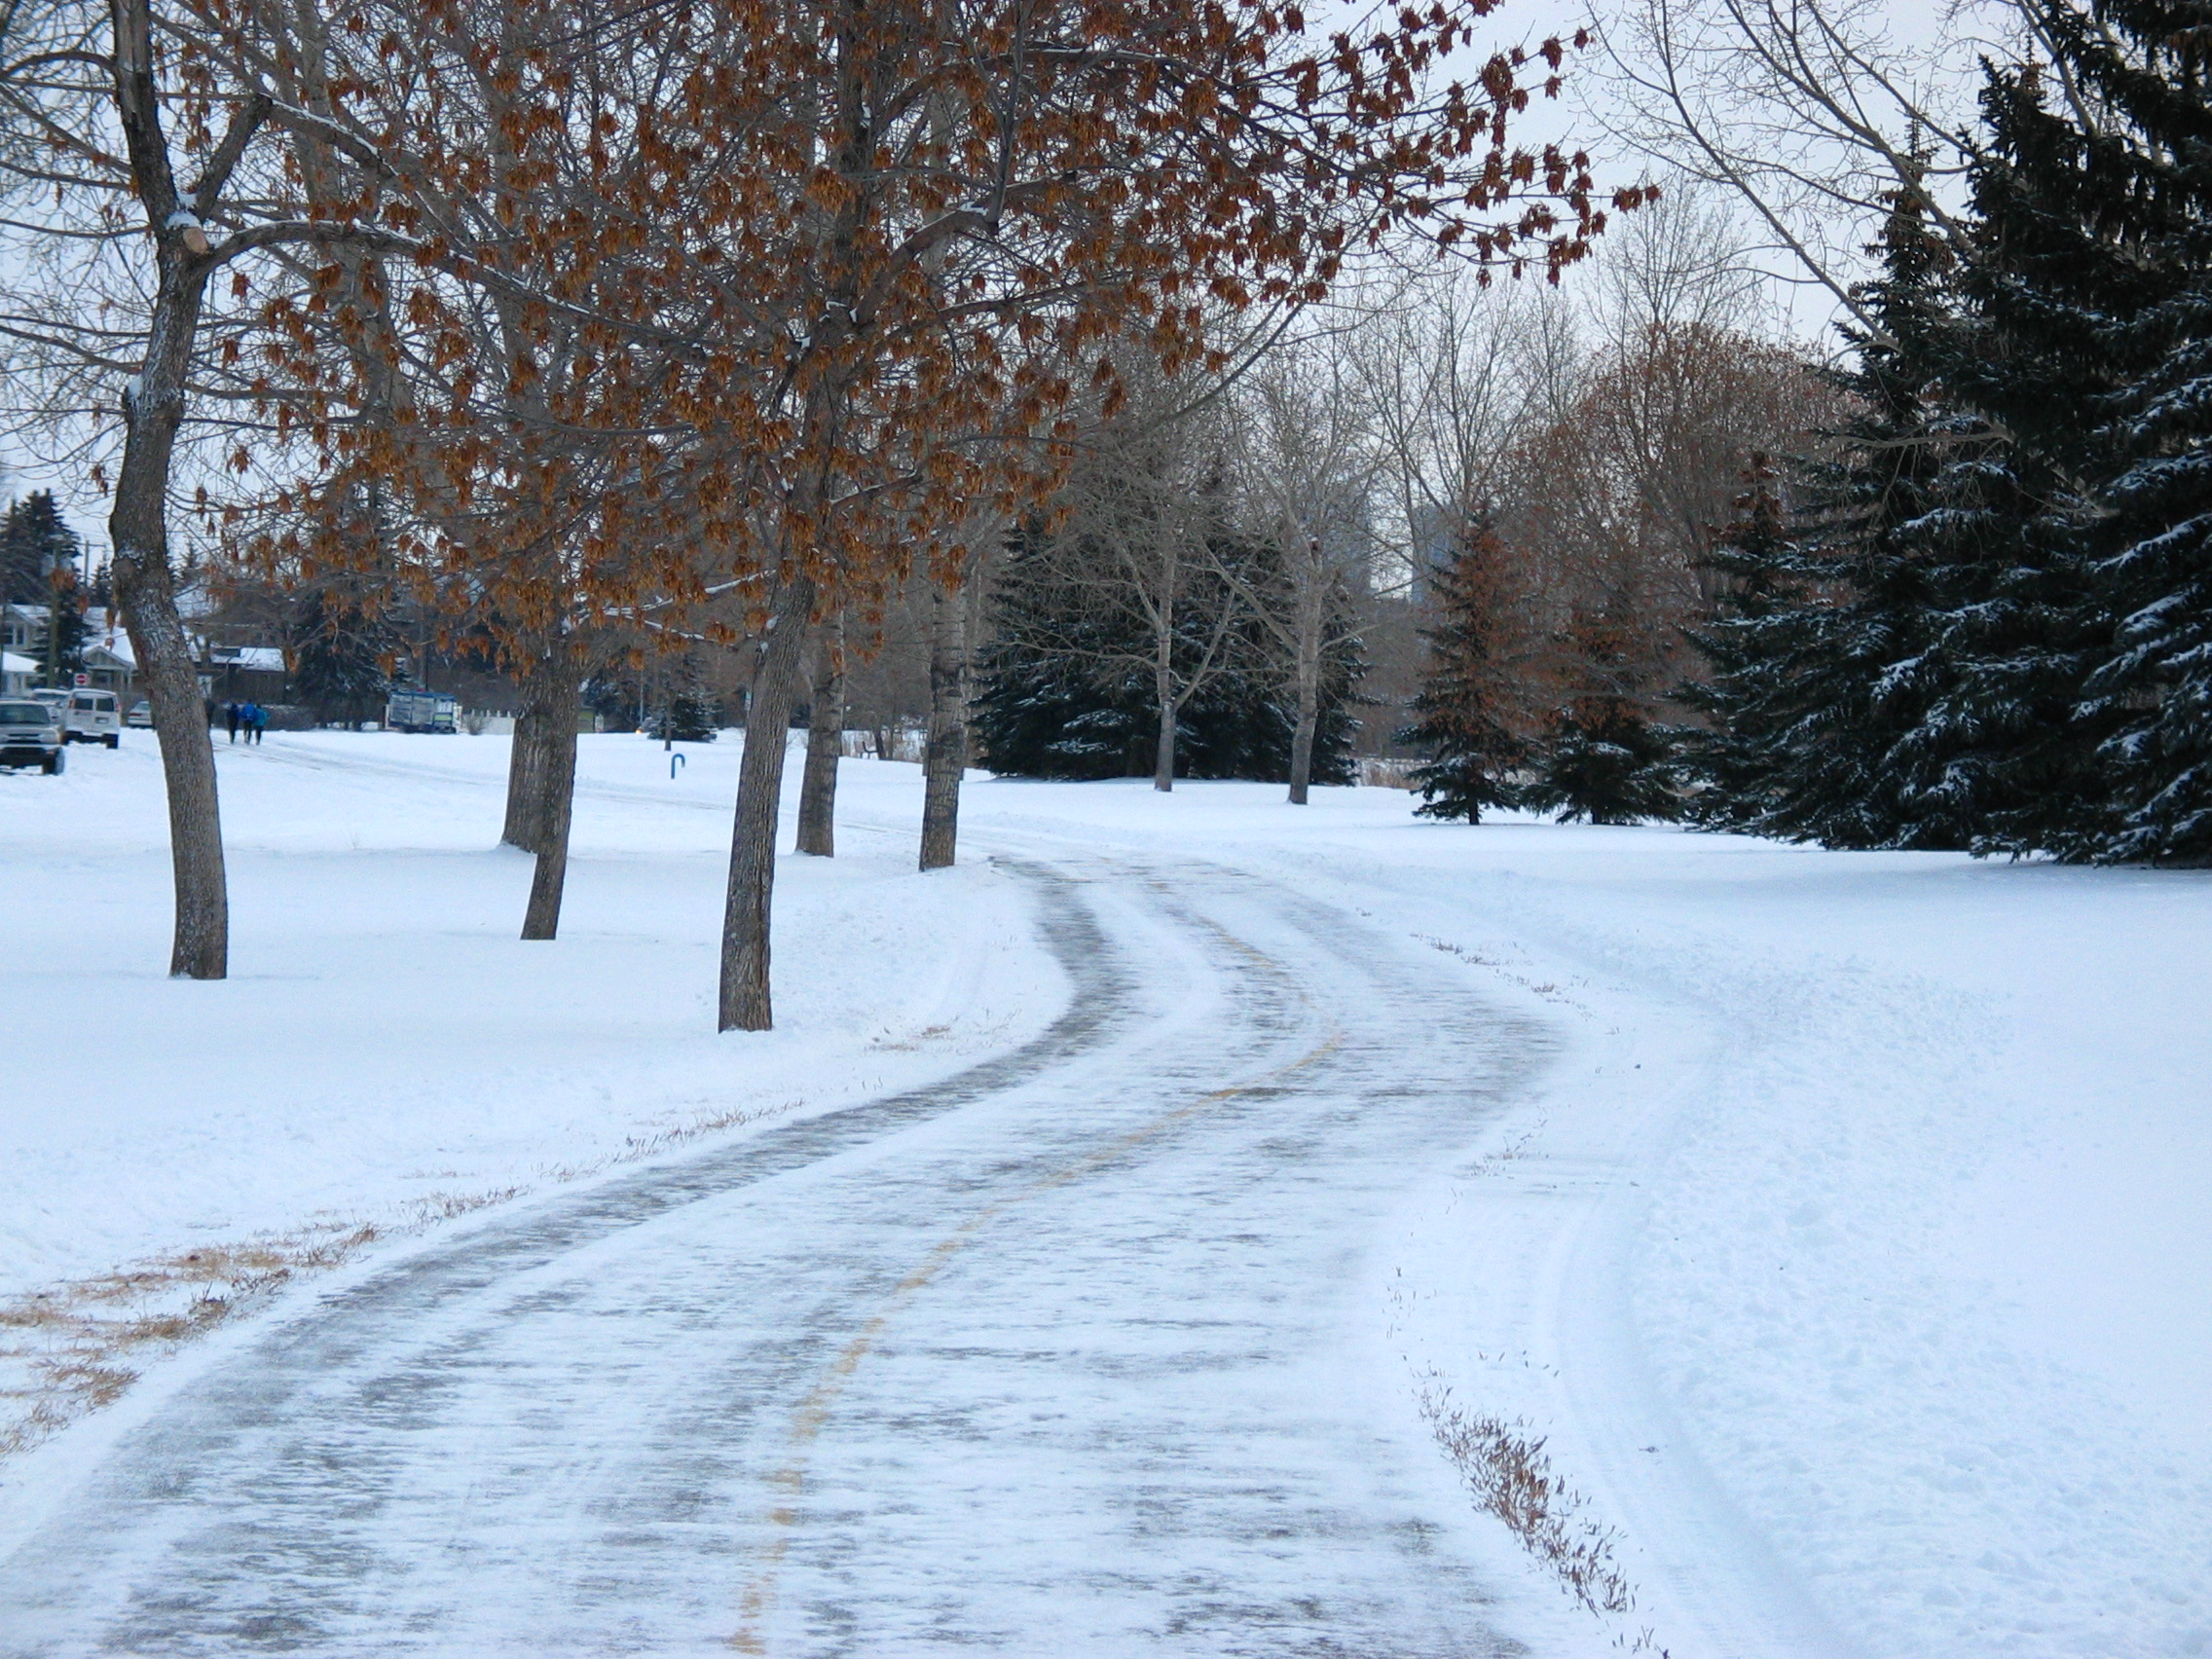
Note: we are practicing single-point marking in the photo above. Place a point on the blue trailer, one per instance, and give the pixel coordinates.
(422, 711)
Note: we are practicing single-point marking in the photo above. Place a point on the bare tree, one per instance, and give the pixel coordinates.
(144, 146)
(1446, 371)
(1304, 456)
(1607, 511)
(955, 620)
(1681, 262)
(1810, 113)
(1133, 555)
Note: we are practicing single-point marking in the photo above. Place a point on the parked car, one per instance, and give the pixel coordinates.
(141, 714)
(92, 716)
(31, 735)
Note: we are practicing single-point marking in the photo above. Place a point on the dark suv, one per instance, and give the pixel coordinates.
(31, 735)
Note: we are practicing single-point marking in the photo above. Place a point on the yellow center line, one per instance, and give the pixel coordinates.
(813, 1411)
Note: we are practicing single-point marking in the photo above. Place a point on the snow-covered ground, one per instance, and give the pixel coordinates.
(1851, 1247)
(385, 1039)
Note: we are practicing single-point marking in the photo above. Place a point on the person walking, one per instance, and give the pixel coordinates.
(231, 719)
(260, 721)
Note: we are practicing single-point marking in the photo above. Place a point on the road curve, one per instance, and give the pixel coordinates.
(1050, 1358)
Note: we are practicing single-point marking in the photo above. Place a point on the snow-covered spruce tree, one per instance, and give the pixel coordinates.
(1061, 690)
(1737, 766)
(1460, 716)
(2088, 328)
(1244, 723)
(2104, 297)
(1602, 755)
(1041, 709)
(1827, 654)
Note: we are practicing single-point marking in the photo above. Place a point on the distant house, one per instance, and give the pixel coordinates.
(109, 661)
(22, 629)
(17, 674)
(246, 674)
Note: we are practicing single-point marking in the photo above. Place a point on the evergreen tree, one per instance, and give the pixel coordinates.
(1603, 755)
(684, 712)
(34, 542)
(1460, 721)
(1738, 765)
(2101, 291)
(2051, 296)
(339, 655)
(69, 613)
(1825, 653)
(1883, 676)
(613, 694)
(1041, 708)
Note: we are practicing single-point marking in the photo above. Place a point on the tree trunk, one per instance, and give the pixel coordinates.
(1309, 674)
(525, 767)
(146, 594)
(945, 758)
(745, 1002)
(561, 697)
(145, 587)
(824, 743)
(1162, 688)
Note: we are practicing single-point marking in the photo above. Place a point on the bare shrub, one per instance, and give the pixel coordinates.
(1506, 1469)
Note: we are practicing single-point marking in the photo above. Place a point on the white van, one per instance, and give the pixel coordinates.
(92, 716)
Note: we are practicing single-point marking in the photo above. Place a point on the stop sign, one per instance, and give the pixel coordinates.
(84, 680)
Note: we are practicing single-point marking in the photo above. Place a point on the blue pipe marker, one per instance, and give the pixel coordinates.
(674, 762)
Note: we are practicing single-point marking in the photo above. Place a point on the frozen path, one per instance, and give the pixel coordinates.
(1075, 1352)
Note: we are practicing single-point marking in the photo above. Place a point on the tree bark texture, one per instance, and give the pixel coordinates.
(745, 1004)
(562, 698)
(1164, 689)
(824, 743)
(145, 593)
(525, 767)
(945, 758)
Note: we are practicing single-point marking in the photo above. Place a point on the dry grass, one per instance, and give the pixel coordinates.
(77, 1347)
(928, 1034)
(1548, 990)
(1383, 772)
(71, 1348)
(1506, 1469)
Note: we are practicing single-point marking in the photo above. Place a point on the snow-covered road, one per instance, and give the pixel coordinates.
(1077, 1352)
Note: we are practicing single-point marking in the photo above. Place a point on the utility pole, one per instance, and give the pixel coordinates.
(54, 590)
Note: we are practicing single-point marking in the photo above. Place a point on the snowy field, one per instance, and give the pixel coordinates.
(1850, 1244)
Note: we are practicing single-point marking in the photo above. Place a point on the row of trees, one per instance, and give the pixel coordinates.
(1565, 468)
(1989, 622)
(1221, 546)
(1967, 604)
(715, 321)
